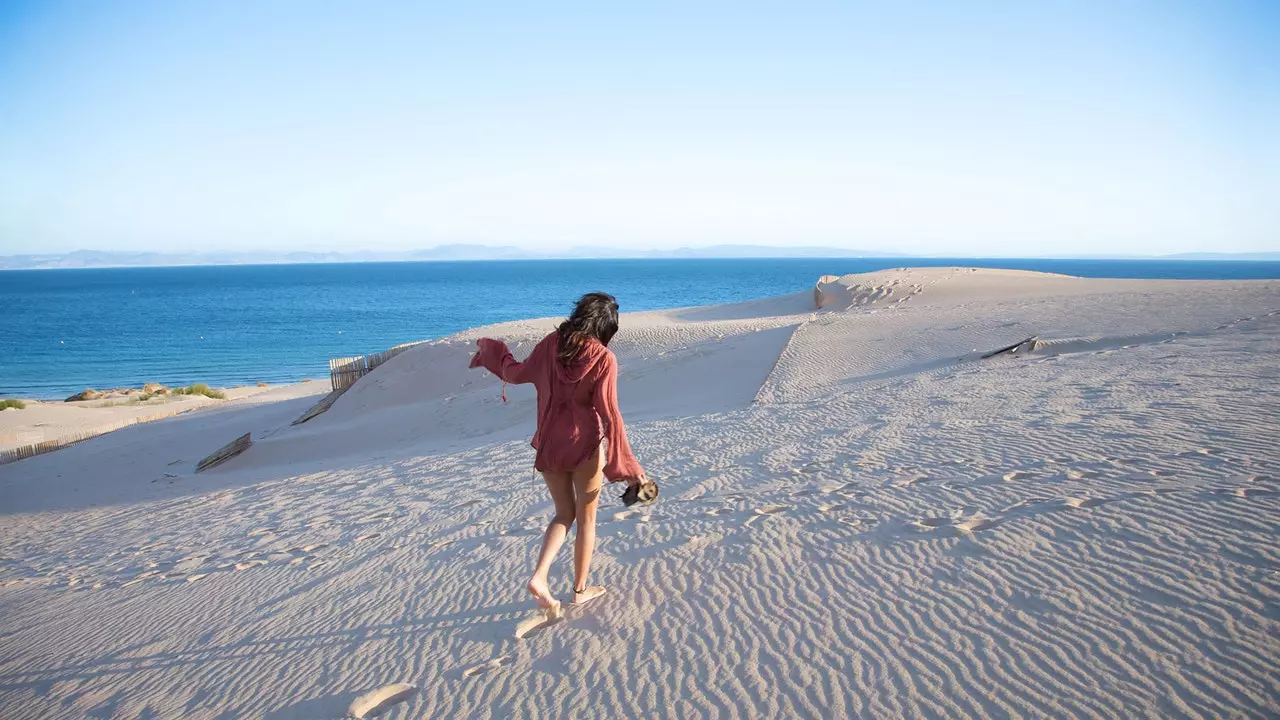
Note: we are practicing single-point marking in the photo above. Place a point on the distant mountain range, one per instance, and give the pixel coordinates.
(103, 259)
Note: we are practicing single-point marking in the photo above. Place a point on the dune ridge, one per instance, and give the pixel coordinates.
(860, 517)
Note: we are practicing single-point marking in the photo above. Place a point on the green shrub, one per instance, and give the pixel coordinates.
(14, 403)
(200, 389)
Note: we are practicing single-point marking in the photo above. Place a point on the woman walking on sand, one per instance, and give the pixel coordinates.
(576, 377)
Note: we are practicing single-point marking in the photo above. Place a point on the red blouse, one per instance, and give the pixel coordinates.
(577, 405)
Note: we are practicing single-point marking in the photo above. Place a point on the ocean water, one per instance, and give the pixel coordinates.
(62, 331)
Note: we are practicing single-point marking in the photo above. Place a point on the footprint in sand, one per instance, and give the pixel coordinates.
(1244, 492)
(1161, 473)
(624, 514)
(532, 625)
(376, 702)
(368, 536)
(187, 564)
(262, 531)
(934, 522)
(1016, 475)
(976, 524)
(1027, 503)
(1082, 474)
(247, 564)
(857, 521)
(375, 517)
(493, 664)
(141, 577)
(718, 511)
(1086, 502)
(771, 509)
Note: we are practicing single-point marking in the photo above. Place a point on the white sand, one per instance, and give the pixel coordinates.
(859, 518)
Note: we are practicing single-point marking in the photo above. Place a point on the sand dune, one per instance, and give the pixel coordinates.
(860, 517)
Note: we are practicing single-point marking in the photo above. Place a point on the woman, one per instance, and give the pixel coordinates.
(576, 377)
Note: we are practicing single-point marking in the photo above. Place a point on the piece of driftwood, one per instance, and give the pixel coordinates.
(325, 403)
(1014, 348)
(226, 452)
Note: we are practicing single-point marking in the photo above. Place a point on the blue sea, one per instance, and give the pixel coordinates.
(62, 331)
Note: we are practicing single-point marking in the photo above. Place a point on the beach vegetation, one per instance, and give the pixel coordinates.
(200, 389)
(14, 403)
(132, 400)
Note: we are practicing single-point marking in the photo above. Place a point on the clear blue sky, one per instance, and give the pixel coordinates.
(1018, 128)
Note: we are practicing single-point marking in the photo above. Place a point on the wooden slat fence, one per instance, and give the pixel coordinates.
(344, 372)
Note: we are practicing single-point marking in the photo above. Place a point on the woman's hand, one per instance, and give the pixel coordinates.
(640, 490)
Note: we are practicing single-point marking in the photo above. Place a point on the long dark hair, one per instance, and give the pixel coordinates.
(596, 316)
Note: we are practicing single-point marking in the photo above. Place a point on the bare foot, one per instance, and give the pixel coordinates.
(542, 595)
(586, 594)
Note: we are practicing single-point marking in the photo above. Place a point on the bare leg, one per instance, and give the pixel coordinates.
(586, 494)
(561, 487)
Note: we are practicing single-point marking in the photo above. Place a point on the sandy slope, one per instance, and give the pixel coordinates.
(859, 518)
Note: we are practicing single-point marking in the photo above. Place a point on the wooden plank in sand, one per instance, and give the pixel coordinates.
(1029, 342)
(324, 404)
(226, 452)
